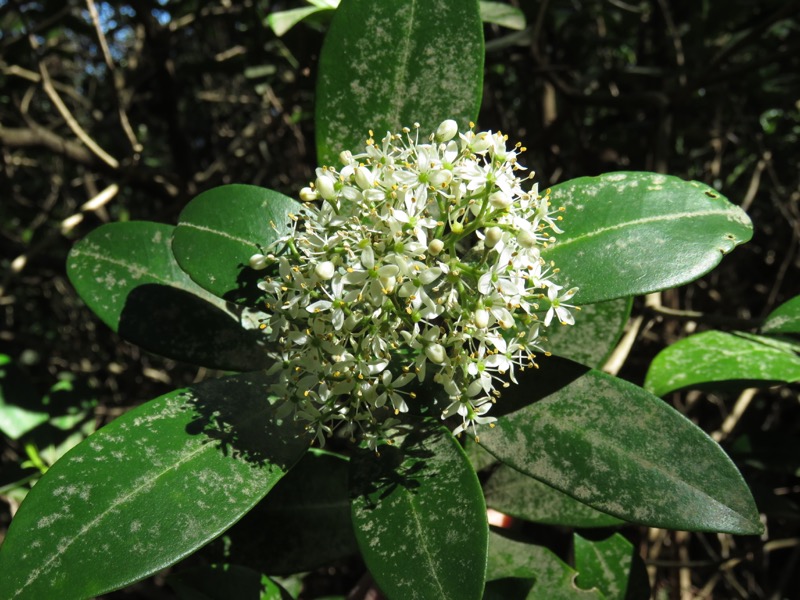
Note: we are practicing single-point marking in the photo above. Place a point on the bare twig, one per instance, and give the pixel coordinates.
(115, 78)
(65, 113)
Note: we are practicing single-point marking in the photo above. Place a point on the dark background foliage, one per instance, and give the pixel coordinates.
(129, 112)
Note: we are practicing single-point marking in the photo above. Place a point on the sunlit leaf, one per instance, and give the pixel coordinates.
(627, 234)
(524, 497)
(390, 64)
(420, 518)
(714, 357)
(613, 567)
(618, 448)
(148, 489)
(784, 319)
(554, 580)
(502, 14)
(127, 275)
(221, 229)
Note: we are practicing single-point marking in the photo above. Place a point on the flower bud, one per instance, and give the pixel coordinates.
(500, 200)
(526, 239)
(325, 270)
(481, 318)
(258, 262)
(346, 157)
(493, 235)
(325, 188)
(364, 178)
(436, 354)
(441, 178)
(446, 131)
(435, 247)
(308, 195)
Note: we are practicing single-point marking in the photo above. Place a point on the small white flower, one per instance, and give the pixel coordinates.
(423, 264)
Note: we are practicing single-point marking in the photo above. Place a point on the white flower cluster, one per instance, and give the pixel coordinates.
(421, 260)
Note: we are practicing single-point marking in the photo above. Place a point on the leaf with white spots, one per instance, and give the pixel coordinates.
(552, 578)
(714, 357)
(627, 233)
(302, 525)
(612, 566)
(222, 228)
(618, 448)
(420, 518)
(389, 64)
(784, 319)
(592, 338)
(524, 497)
(127, 275)
(148, 489)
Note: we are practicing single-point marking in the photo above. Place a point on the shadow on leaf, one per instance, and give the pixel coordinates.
(177, 324)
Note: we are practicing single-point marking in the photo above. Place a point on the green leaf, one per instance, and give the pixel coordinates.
(21, 409)
(518, 495)
(282, 21)
(302, 524)
(592, 338)
(389, 64)
(501, 14)
(223, 582)
(148, 489)
(784, 319)
(629, 233)
(127, 275)
(554, 579)
(714, 357)
(616, 447)
(420, 518)
(613, 567)
(221, 229)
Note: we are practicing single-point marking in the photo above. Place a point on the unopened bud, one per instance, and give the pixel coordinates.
(481, 318)
(493, 235)
(436, 354)
(500, 200)
(364, 178)
(258, 262)
(325, 188)
(325, 270)
(435, 247)
(526, 239)
(446, 131)
(308, 195)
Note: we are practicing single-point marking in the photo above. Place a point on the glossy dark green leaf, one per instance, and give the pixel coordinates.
(627, 234)
(126, 273)
(221, 229)
(554, 580)
(223, 582)
(303, 523)
(619, 449)
(784, 319)
(715, 356)
(613, 567)
(596, 331)
(524, 497)
(420, 518)
(389, 64)
(148, 489)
